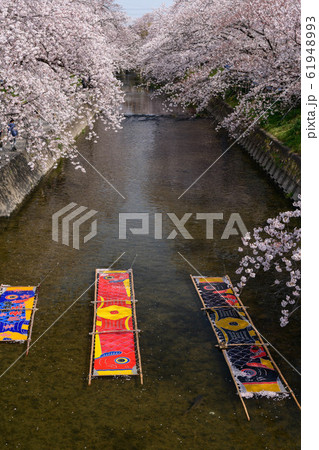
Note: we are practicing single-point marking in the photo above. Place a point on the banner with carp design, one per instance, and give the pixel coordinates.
(114, 346)
(247, 358)
(16, 307)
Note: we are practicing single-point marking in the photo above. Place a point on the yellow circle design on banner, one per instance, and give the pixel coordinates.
(11, 297)
(114, 312)
(232, 323)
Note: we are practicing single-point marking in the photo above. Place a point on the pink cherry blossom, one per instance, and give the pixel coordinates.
(198, 50)
(278, 246)
(58, 64)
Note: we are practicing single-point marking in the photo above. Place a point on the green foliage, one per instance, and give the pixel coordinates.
(231, 98)
(282, 124)
(286, 127)
(212, 73)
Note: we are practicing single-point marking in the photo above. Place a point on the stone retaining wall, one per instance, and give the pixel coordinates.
(17, 178)
(278, 161)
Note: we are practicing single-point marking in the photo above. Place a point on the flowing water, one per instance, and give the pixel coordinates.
(45, 399)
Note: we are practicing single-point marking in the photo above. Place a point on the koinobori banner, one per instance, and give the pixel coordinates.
(16, 307)
(114, 346)
(250, 363)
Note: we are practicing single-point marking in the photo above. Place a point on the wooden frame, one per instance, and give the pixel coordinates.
(266, 347)
(33, 309)
(32, 318)
(135, 325)
(93, 330)
(136, 331)
(224, 347)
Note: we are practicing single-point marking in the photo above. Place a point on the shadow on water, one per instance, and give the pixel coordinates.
(151, 161)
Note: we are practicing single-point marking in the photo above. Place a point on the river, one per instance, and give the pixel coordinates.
(45, 399)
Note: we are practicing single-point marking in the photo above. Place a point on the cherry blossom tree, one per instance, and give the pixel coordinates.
(200, 49)
(275, 246)
(59, 60)
(142, 27)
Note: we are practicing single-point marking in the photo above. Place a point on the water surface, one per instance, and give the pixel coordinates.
(45, 399)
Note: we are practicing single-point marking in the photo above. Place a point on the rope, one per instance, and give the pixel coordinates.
(133, 261)
(48, 273)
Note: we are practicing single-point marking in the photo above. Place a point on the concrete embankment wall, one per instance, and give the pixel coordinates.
(17, 179)
(281, 165)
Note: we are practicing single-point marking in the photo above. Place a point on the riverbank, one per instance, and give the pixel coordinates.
(17, 178)
(278, 161)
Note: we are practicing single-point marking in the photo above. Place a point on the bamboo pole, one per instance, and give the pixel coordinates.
(20, 310)
(238, 390)
(135, 321)
(224, 352)
(218, 307)
(32, 320)
(236, 345)
(93, 335)
(115, 331)
(283, 378)
(266, 349)
(116, 300)
(203, 303)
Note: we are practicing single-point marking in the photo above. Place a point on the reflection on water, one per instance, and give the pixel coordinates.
(151, 161)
